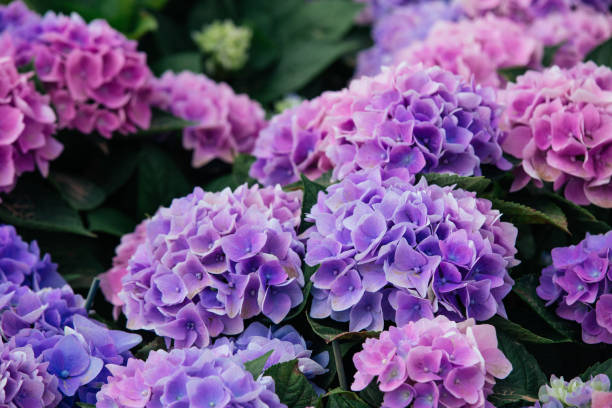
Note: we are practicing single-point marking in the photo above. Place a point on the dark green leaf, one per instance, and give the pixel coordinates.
(220, 183)
(518, 332)
(159, 180)
(311, 192)
(241, 168)
(146, 23)
(79, 193)
(256, 367)
(602, 54)
(110, 221)
(525, 288)
(32, 204)
(549, 54)
(183, 61)
(339, 398)
(475, 184)
(157, 344)
(511, 73)
(604, 367)
(522, 214)
(578, 215)
(164, 122)
(525, 379)
(330, 334)
(372, 394)
(84, 405)
(291, 385)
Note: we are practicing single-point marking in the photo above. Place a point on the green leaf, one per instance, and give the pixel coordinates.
(605, 367)
(525, 288)
(84, 405)
(518, 332)
(164, 122)
(146, 23)
(549, 54)
(182, 61)
(525, 379)
(291, 385)
(256, 367)
(330, 334)
(475, 184)
(79, 193)
(311, 192)
(602, 54)
(238, 176)
(372, 394)
(511, 73)
(301, 62)
(339, 398)
(578, 215)
(308, 272)
(110, 221)
(522, 214)
(159, 180)
(32, 204)
(157, 344)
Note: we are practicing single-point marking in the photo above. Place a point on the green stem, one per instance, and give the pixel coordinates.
(93, 289)
(339, 366)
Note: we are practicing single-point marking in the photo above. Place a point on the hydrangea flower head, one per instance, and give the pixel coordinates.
(390, 250)
(211, 260)
(431, 362)
(475, 49)
(21, 263)
(28, 125)
(579, 283)
(575, 393)
(526, 10)
(111, 280)
(226, 45)
(96, 77)
(226, 123)
(23, 26)
(558, 124)
(25, 380)
(209, 377)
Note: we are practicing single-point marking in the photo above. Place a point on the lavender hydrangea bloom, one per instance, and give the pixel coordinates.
(209, 377)
(21, 263)
(23, 26)
(24, 379)
(28, 123)
(431, 362)
(227, 124)
(576, 393)
(579, 283)
(390, 250)
(211, 260)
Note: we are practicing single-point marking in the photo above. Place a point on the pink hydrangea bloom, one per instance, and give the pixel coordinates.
(432, 362)
(475, 49)
(110, 281)
(27, 124)
(559, 123)
(227, 123)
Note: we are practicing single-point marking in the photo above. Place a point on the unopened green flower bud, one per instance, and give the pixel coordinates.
(225, 44)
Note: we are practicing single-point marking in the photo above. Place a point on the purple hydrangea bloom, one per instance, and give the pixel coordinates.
(576, 393)
(21, 263)
(211, 260)
(193, 377)
(227, 123)
(28, 123)
(526, 10)
(23, 26)
(390, 250)
(579, 283)
(24, 379)
(431, 362)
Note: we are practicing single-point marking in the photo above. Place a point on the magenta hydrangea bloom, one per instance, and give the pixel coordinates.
(27, 127)
(24, 379)
(579, 283)
(432, 363)
(526, 10)
(193, 377)
(475, 49)
(111, 280)
(21, 263)
(23, 26)
(97, 79)
(559, 124)
(390, 250)
(211, 260)
(227, 123)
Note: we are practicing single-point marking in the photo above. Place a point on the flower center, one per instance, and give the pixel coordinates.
(190, 325)
(64, 374)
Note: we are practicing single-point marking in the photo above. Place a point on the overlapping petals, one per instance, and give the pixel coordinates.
(558, 124)
(194, 377)
(575, 393)
(23, 26)
(211, 260)
(579, 283)
(390, 250)
(226, 123)
(430, 363)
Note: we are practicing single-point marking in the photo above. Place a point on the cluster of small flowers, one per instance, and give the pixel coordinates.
(23, 27)
(209, 377)
(21, 264)
(408, 119)
(226, 45)
(390, 250)
(559, 124)
(527, 10)
(576, 393)
(226, 124)
(432, 363)
(28, 123)
(211, 260)
(579, 282)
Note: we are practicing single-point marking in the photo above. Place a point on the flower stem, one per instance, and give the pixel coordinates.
(339, 366)
(93, 289)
